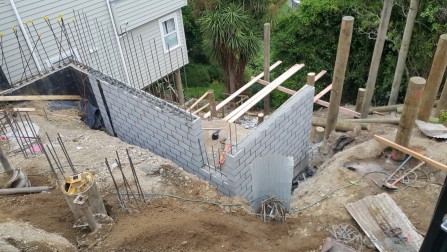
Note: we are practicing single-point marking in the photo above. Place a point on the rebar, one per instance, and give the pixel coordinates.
(4, 59)
(120, 200)
(126, 183)
(131, 56)
(58, 43)
(51, 165)
(184, 69)
(22, 54)
(102, 36)
(214, 160)
(127, 57)
(93, 40)
(55, 153)
(81, 58)
(41, 43)
(64, 31)
(158, 61)
(137, 181)
(115, 53)
(138, 60)
(81, 42)
(59, 167)
(145, 59)
(153, 62)
(20, 133)
(85, 36)
(34, 42)
(31, 56)
(9, 124)
(64, 150)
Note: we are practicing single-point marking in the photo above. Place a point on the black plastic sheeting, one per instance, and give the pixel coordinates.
(91, 115)
(67, 81)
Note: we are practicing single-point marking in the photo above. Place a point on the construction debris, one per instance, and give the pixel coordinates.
(385, 223)
(435, 130)
(347, 235)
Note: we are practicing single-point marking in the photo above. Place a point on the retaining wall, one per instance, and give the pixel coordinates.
(139, 118)
(144, 120)
(286, 132)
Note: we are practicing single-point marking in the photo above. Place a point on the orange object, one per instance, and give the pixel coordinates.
(222, 155)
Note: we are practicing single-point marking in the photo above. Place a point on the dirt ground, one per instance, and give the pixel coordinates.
(178, 225)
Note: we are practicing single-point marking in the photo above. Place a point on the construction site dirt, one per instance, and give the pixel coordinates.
(179, 224)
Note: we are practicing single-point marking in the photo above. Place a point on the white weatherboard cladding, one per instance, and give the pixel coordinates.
(95, 41)
(133, 13)
(159, 62)
(272, 177)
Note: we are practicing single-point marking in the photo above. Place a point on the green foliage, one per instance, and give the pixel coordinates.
(231, 32)
(197, 75)
(443, 116)
(196, 92)
(194, 39)
(310, 36)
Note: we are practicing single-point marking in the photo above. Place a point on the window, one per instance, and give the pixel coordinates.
(169, 32)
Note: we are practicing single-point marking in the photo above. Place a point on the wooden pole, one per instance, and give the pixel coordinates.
(359, 101)
(260, 118)
(340, 126)
(212, 103)
(377, 55)
(311, 79)
(267, 106)
(403, 51)
(442, 105)
(375, 120)
(409, 114)
(434, 79)
(318, 134)
(341, 62)
(178, 82)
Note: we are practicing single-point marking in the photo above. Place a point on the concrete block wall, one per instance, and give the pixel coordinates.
(144, 120)
(286, 132)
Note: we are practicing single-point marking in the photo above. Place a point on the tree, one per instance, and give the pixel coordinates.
(232, 31)
(309, 36)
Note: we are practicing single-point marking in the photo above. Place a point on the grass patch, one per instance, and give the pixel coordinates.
(196, 92)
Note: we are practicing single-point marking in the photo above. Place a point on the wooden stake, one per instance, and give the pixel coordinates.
(260, 118)
(311, 79)
(359, 102)
(403, 52)
(409, 113)
(442, 106)
(318, 134)
(434, 79)
(267, 106)
(341, 62)
(212, 102)
(377, 55)
(178, 82)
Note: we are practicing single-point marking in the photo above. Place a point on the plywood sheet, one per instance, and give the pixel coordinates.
(385, 224)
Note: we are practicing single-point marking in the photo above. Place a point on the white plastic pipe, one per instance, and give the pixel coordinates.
(30, 46)
(118, 41)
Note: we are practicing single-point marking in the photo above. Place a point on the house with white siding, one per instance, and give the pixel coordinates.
(139, 42)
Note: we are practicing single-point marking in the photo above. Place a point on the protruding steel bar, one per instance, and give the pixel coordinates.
(121, 202)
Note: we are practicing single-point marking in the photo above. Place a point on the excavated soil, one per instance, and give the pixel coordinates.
(168, 224)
